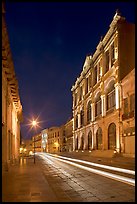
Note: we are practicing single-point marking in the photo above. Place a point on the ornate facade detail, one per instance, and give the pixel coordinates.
(101, 80)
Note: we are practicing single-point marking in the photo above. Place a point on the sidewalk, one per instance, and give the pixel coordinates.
(25, 182)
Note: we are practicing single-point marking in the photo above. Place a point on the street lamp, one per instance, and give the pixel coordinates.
(34, 124)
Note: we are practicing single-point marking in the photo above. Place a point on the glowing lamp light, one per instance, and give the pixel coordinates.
(34, 123)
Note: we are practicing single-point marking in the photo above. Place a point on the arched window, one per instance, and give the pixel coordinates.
(82, 143)
(90, 140)
(111, 102)
(89, 112)
(76, 143)
(99, 138)
(112, 136)
(98, 109)
(82, 117)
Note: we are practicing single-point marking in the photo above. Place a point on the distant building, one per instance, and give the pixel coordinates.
(55, 135)
(44, 140)
(69, 135)
(99, 122)
(11, 105)
(36, 143)
(26, 147)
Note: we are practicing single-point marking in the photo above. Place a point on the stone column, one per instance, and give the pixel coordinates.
(92, 112)
(78, 120)
(118, 95)
(103, 103)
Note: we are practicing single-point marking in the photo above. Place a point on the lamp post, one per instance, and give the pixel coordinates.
(34, 124)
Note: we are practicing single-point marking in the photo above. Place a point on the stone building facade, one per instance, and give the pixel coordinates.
(69, 135)
(44, 140)
(55, 139)
(36, 143)
(128, 113)
(97, 92)
(11, 105)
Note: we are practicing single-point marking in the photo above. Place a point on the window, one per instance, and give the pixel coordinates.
(98, 109)
(89, 112)
(95, 75)
(99, 138)
(112, 136)
(90, 80)
(80, 93)
(90, 140)
(87, 82)
(112, 54)
(82, 117)
(111, 99)
(99, 71)
(125, 105)
(132, 102)
(76, 143)
(107, 60)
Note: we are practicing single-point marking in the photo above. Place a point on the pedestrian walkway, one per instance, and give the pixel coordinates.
(25, 182)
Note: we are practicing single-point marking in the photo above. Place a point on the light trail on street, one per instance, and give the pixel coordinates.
(123, 179)
(98, 165)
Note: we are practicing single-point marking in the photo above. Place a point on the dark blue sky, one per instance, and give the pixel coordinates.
(49, 43)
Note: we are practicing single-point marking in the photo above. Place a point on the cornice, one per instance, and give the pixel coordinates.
(99, 49)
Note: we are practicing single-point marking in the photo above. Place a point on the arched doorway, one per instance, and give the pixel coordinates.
(99, 138)
(82, 142)
(90, 140)
(76, 143)
(112, 136)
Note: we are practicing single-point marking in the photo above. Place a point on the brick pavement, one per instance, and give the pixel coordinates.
(28, 182)
(25, 182)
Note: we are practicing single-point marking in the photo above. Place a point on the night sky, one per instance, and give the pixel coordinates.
(49, 43)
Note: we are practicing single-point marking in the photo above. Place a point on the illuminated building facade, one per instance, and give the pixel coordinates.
(11, 105)
(69, 135)
(44, 140)
(55, 142)
(128, 113)
(36, 143)
(98, 93)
